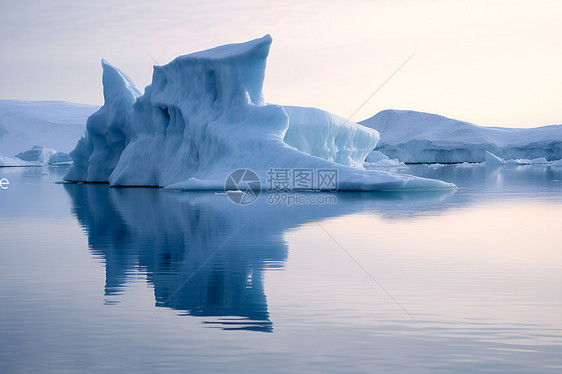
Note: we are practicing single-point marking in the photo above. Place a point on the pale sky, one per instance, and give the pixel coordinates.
(493, 63)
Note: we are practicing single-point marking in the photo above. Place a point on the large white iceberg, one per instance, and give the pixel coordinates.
(415, 137)
(204, 116)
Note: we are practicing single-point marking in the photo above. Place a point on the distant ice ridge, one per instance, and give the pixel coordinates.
(36, 156)
(54, 124)
(14, 161)
(23, 124)
(492, 159)
(378, 159)
(416, 137)
(204, 116)
(44, 155)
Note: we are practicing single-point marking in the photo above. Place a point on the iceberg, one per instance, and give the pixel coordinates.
(535, 161)
(376, 156)
(325, 135)
(492, 159)
(107, 130)
(416, 137)
(60, 158)
(378, 159)
(36, 156)
(6, 161)
(204, 116)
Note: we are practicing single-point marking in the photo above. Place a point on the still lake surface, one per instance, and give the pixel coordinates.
(94, 278)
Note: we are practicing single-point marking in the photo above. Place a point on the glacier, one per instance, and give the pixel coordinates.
(416, 137)
(204, 116)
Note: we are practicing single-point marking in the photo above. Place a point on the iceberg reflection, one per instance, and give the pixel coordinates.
(204, 255)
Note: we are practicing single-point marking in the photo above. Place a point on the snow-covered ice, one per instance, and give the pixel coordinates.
(416, 137)
(204, 116)
(376, 156)
(325, 135)
(522, 161)
(14, 161)
(378, 159)
(107, 130)
(36, 156)
(492, 159)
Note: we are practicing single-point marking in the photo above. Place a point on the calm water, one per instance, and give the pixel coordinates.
(143, 280)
